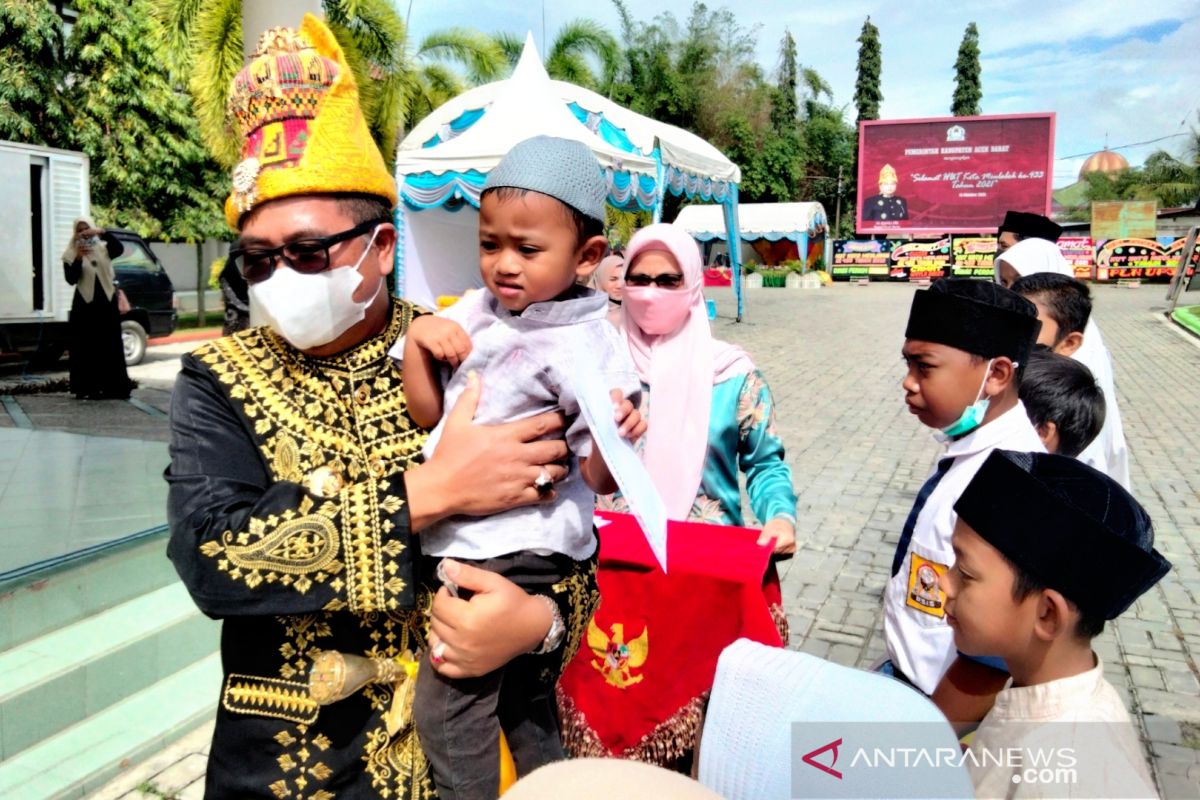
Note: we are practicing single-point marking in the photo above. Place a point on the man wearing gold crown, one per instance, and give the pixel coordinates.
(886, 205)
(295, 498)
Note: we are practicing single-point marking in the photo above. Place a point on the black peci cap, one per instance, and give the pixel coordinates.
(1030, 226)
(1073, 528)
(979, 317)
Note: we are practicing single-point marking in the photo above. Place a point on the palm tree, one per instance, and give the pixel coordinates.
(568, 56)
(431, 82)
(815, 88)
(397, 84)
(1170, 180)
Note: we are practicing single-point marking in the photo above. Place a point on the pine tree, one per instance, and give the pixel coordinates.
(148, 169)
(868, 93)
(785, 109)
(968, 83)
(780, 153)
(31, 70)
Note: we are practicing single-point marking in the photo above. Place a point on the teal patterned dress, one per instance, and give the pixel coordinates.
(742, 437)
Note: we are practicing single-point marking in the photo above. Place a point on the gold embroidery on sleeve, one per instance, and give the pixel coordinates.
(305, 418)
(293, 550)
(583, 597)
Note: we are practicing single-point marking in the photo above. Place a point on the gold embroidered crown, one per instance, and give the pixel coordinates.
(296, 108)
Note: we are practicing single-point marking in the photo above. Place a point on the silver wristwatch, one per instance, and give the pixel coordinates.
(558, 630)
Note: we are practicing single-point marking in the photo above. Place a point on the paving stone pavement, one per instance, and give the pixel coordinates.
(832, 358)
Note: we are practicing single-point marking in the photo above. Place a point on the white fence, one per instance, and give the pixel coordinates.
(180, 261)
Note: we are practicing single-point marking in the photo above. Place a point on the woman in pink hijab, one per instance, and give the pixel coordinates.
(711, 418)
(718, 416)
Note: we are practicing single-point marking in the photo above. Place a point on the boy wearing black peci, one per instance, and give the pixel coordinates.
(964, 345)
(1034, 582)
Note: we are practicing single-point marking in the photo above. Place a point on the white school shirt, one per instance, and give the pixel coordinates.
(1081, 719)
(919, 642)
(1108, 451)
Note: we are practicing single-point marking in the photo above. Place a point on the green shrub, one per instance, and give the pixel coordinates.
(774, 277)
(214, 272)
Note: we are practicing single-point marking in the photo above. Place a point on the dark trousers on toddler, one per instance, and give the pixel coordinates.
(459, 720)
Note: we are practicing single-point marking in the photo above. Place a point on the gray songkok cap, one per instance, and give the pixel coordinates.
(561, 168)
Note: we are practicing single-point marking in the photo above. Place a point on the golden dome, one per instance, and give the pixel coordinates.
(1104, 161)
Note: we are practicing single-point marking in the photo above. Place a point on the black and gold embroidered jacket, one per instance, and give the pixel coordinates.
(289, 521)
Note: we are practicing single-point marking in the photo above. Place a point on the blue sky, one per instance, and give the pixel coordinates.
(1110, 76)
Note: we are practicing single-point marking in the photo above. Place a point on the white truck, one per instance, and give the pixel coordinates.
(42, 192)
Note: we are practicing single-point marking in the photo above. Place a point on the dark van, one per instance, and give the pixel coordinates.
(152, 313)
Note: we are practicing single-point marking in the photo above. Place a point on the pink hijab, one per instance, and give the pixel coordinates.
(680, 367)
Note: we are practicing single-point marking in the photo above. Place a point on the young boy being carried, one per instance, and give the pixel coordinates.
(1033, 582)
(964, 345)
(541, 223)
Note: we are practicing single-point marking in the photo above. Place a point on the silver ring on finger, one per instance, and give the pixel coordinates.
(543, 483)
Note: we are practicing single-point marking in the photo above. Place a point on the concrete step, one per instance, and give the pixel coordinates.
(52, 682)
(87, 755)
(43, 598)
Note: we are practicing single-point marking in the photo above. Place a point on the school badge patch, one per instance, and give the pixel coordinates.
(924, 593)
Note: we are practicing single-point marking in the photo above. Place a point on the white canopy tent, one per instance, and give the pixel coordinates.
(772, 221)
(442, 164)
(797, 222)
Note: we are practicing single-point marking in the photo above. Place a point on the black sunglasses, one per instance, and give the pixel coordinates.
(665, 281)
(303, 255)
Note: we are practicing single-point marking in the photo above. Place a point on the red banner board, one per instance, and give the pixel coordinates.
(952, 174)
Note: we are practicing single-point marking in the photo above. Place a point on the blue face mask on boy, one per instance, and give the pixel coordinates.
(972, 415)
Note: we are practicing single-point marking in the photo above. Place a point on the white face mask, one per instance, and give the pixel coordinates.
(311, 310)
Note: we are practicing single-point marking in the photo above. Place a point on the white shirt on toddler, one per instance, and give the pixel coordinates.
(525, 362)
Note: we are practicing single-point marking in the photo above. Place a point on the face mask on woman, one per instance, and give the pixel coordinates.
(657, 311)
(311, 310)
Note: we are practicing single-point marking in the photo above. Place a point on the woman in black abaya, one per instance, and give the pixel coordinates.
(97, 356)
